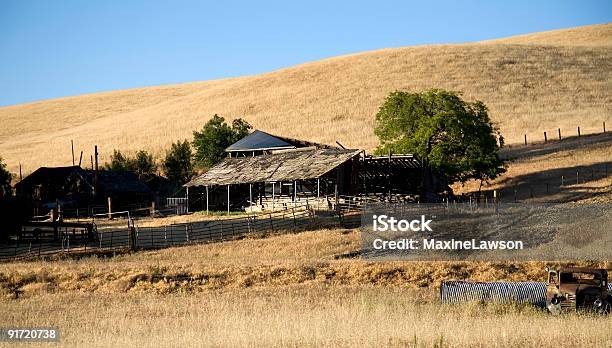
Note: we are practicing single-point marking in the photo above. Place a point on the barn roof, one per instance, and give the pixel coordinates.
(299, 164)
(117, 181)
(259, 140)
(108, 181)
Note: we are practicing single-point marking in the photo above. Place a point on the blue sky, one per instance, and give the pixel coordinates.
(51, 49)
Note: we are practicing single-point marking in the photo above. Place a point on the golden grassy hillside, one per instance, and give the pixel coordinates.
(592, 35)
(543, 85)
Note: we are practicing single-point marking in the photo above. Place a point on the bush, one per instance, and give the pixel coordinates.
(178, 164)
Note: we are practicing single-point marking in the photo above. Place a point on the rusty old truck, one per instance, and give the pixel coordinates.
(578, 289)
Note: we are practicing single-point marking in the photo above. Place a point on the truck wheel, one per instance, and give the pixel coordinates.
(602, 306)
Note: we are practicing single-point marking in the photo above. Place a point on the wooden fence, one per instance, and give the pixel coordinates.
(559, 135)
(160, 237)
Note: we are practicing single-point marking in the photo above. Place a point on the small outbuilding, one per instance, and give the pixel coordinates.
(74, 187)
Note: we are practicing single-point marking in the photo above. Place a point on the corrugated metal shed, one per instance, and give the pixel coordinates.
(281, 166)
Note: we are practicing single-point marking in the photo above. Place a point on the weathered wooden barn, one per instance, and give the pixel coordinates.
(267, 171)
(75, 187)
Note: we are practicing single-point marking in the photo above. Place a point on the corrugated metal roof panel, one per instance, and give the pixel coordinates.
(258, 140)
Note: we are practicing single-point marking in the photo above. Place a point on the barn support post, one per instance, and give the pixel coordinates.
(336, 195)
(206, 199)
(318, 191)
(273, 189)
(228, 200)
(251, 197)
(187, 198)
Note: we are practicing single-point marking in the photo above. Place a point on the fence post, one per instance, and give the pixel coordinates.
(545, 138)
(562, 180)
(577, 180)
(132, 238)
(495, 201)
(110, 210)
(578, 130)
(559, 133)
(604, 127)
(525, 139)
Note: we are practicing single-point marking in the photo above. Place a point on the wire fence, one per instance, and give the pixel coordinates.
(159, 237)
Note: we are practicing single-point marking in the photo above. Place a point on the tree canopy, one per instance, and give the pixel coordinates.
(456, 139)
(5, 180)
(178, 163)
(215, 137)
(142, 164)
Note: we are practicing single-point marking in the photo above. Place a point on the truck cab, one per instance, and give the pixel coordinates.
(578, 288)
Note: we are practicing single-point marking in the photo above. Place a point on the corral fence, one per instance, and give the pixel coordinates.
(179, 205)
(159, 237)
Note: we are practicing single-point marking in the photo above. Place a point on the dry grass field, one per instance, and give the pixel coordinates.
(285, 290)
(531, 83)
(298, 317)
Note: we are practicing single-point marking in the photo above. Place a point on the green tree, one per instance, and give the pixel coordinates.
(142, 164)
(178, 164)
(454, 138)
(5, 180)
(215, 137)
(119, 162)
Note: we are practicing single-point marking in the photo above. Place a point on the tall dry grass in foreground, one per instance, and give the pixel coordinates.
(283, 290)
(335, 317)
(540, 84)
